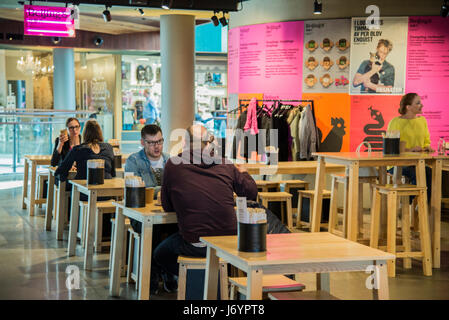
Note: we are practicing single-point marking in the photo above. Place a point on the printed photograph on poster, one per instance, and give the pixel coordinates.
(378, 56)
(326, 56)
(333, 123)
(369, 119)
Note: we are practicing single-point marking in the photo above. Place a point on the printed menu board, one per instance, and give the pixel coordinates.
(326, 56)
(268, 57)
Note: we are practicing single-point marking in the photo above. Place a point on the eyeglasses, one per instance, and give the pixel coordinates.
(74, 127)
(154, 143)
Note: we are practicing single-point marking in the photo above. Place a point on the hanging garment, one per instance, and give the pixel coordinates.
(293, 121)
(251, 120)
(307, 134)
(280, 123)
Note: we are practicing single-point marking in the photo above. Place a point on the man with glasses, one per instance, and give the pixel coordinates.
(149, 164)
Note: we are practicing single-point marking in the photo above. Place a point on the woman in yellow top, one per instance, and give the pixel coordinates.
(414, 132)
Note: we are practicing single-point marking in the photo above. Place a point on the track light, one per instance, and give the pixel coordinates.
(444, 9)
(223, 20)
(141, 11)
(317, 7)
(166, 4)
(215, 19)
(107, 15)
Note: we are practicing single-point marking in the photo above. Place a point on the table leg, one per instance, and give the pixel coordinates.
(91, 212)
(323, 282)
(254, 285)
(74, 216)
(62, 210)
(211, 275)
(383, 204)
(119, 234)
(382, 292)
(25, 184)
(435, 205)
(49, 209)
(353, 200)
(320, 184)
(145, 260)
(32, 195)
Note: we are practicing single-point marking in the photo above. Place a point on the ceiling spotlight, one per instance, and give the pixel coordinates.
(223, 20)
(166, 4)
(107, 15)
(317, 7)
(215, 19)
(141, 11)
(444, 9)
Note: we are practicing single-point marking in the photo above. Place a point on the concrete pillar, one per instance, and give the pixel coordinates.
(64, 79)
(177, 74)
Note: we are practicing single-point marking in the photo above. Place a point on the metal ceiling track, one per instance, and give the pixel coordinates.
(203, 5)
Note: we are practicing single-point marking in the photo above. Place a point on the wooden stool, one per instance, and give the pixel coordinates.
(265, 186)
(310, 194)
(294, 184)
(309, 295)
(194, 263)
(103, 207)
(333, 215)
(41, 178)
(124, 264)
(270, 283)
(286, 197)
(402, 192)
(133, 247)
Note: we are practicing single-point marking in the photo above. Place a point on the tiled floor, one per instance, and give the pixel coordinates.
(33, 266)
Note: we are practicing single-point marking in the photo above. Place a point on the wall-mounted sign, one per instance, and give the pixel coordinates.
(48, 21)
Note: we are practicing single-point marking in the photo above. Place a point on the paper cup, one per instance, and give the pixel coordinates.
(149, 195)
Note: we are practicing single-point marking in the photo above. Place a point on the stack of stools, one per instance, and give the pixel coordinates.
(333, 214)
(292, 187)
(402, 193)
(310, 194)
(266, 186)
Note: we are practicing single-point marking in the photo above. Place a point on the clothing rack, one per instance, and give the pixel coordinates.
(311, 102)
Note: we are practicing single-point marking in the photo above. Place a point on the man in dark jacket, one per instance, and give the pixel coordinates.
(199, 185)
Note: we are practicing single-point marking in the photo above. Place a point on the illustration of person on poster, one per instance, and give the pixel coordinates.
(378, 56)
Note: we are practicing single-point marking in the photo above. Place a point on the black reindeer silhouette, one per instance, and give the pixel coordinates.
(334, 140)
(374, 135)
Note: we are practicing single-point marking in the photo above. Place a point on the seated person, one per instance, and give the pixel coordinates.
(414, 134)
(93, 147)
(65, 142)
(149, 164)
(199, 185)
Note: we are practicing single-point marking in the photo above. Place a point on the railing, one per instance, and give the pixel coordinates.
(30, 131)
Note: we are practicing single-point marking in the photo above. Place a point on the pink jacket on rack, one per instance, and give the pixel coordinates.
(251, 118)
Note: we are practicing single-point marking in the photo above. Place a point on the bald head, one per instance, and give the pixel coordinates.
(197, 136)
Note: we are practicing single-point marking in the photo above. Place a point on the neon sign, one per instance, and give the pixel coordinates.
(48, 21)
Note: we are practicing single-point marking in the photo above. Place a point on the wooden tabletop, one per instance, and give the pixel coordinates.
(150, 210)
(289, 167)
(366, 156)
(292, 248)
(38, 157)
(114, 183)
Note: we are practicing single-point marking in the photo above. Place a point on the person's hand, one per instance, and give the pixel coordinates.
(416, 149)
(62, 139)
(240, 168)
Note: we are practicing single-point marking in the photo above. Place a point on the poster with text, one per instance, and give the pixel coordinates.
(428, 55)
(435, 109)
(326, 56)
(370, 116)
(269, 58)
(378, 56)
(333, 119)
(233, 60)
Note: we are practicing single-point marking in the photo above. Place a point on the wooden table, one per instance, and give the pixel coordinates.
(295, 253)
(353, 161)
(290, 167)
(111, 188)
(148, 216)
(62, 210)
(30, 199)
